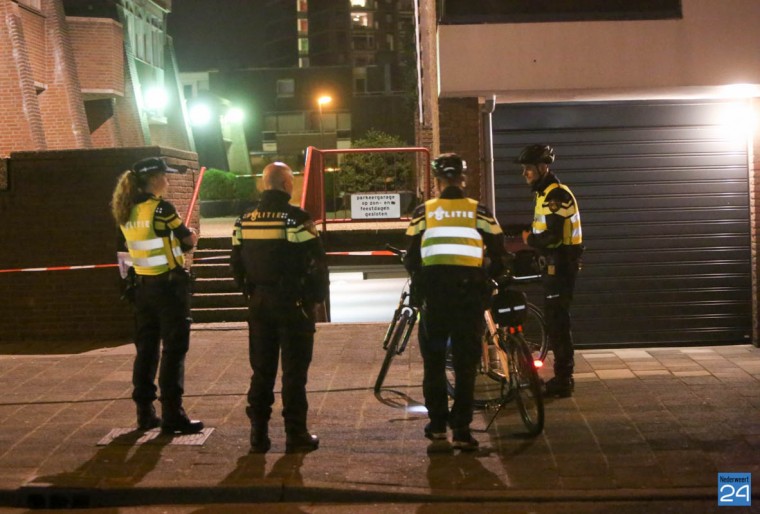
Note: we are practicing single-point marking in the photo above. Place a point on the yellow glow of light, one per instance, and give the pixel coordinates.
(324, 100)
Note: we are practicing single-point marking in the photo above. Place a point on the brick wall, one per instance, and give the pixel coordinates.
(19, 112)
(61, 104)
(56, 213)
(754, 189)
(461, 132)
(98, 45)
(34, 30)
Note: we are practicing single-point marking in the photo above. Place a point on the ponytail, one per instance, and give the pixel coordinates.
(123, 198)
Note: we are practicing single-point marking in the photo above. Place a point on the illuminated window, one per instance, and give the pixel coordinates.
(358, 3)
(360, 19)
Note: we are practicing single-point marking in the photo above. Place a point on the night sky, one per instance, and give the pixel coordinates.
(215, 34)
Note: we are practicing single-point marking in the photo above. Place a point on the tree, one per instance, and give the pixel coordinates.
(365, 172)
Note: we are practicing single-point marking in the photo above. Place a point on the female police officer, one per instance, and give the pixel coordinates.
(156, 239)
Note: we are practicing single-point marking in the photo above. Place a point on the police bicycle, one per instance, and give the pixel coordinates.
(400, 328)
(507, 370)
(405, 317)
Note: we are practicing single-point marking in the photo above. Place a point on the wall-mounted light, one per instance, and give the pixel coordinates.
(738, 120)
(200, 114)
(156, 99)
(234, 115)
(741, 90)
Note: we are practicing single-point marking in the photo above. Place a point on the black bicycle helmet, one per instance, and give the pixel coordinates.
(536, 154)
(449, 165)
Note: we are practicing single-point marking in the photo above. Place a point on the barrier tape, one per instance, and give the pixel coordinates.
(60, 268)
(384, 253)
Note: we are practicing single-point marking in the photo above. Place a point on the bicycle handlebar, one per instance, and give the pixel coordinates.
(395, 251)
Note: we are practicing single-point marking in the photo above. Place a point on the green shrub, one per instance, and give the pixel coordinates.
(360, 173)
(245, 188)
(217, 185)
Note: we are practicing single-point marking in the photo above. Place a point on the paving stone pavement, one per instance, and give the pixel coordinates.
(646, 425)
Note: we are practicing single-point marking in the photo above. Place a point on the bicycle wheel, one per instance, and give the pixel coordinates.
(526, 384)
(402, 325)
(534, 330)
(491, 385)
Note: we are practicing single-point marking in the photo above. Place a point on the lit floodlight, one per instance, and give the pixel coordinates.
(234, 115)
(200, 114)
(738, 120)
(324, 100)
(155, 99)
(741, 90)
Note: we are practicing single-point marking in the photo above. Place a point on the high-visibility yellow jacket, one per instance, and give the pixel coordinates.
(556, 217)
(452, 231)
(153, 235)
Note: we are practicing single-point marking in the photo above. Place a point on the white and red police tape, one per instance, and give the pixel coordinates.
(383, 253)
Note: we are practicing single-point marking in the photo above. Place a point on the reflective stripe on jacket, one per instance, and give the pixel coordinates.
(450, 233)
(571, 230)
(151, 253)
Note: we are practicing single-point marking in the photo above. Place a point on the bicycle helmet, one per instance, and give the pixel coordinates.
(449, 165)
(536, 154)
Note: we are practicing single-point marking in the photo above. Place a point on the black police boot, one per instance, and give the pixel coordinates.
(260, 442)
(175, 421)
(301, 443)
(462, 440)
(435, 431)
(147, 417)
(560, 387)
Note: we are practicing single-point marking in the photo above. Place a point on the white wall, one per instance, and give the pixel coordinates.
(716, 43)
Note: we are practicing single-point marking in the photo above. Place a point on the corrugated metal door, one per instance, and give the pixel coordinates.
(664, 197)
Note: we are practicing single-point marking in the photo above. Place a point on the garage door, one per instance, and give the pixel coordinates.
(664, 198)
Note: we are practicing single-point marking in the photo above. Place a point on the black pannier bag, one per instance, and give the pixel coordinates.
(526, 263)
(509, 307)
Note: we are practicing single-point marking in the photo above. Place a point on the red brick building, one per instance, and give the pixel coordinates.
(86, 89)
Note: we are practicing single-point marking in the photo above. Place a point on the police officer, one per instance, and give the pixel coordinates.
(156, 239)
(279, 263)
(556, 234)
(446, 260)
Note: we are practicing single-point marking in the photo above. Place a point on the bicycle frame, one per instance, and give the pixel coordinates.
(491, 338)
(403, 307)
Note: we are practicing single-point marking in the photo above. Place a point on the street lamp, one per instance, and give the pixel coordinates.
(322, 101)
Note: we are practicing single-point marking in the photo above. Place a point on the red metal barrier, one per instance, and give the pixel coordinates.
(313, 192)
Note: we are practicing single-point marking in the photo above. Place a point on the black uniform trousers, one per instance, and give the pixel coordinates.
(278, 326)
(558, 291)
(162, 313)
(450, 316)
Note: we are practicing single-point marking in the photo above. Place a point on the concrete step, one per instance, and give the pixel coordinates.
(208, 315)
(210, 285)
(215, 243)
(218, 301)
